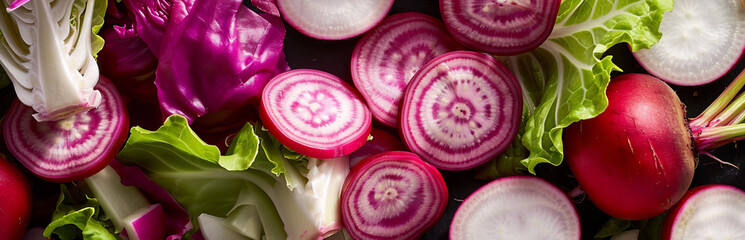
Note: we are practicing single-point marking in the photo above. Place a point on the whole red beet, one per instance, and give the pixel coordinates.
(636, 159)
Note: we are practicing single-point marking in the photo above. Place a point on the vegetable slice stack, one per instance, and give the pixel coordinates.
(461, 110)
(392, 195)
(333, 19)
(315, 113)
(501, 27)
(69, 149)
(387, 57)
(520, 207)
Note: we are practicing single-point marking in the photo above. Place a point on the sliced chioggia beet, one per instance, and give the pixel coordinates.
(381, 141)
(387, 57)
(707, 212)
(500, 27)
(333, 19)
(392, 195)
(701, 41)
(146, 224)
(214, 228)
(519, 207)
(72, 148)
(461, 110)
(315, 113)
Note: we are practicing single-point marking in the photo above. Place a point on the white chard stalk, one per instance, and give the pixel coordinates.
(46, 51)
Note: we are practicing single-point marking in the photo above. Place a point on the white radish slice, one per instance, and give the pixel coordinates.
(701, 41)
(69, 149)
(315, 113)
(387, 57)
(500, 27)
(392, 195)
(707, 212)
(520, 207)
(333, 19)
(461, 110)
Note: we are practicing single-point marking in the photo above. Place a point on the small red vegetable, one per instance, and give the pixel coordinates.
(15, 203)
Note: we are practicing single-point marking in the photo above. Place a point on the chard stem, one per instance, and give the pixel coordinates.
(729, 114)
(707, 116)
(713, 137)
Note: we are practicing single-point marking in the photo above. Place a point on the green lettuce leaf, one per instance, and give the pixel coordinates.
(76, 219)
(257, 170)
(564, 80)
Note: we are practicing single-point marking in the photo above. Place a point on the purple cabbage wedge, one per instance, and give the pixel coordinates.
(224, 68)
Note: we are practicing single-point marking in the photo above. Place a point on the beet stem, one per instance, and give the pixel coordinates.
(720, 104)
(714, 137)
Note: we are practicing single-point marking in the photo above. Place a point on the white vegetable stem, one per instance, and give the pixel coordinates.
(117, 201)
(49, 58)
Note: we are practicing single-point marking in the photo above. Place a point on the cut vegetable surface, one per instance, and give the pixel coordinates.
(72, 148)
(388, 56)
(520, 207)
(701, 41)
(315, 113)
(707, 212)
(461, 110)
(501, 27)
(392, 195)
(333, 19)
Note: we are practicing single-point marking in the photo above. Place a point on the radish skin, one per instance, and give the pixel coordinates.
(636, 159)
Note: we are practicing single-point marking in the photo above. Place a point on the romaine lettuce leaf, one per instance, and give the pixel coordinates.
(293, 204)
(76, 219)
(564, 80)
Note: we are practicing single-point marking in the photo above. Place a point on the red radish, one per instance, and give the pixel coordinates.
(16, 201)
(333, 19)
(315, 113)
(382, 141)
(387, 57)
(707, 212)
(392, 195)
(635, 160)
(500, 27)
(519, 207)
(73, 148)
(461, 110)
(695, 34)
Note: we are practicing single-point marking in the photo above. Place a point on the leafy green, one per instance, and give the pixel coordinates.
(4, 80)
(76, 219)
(49, 54)
(257, 170)
(649, 229)
(564, 80)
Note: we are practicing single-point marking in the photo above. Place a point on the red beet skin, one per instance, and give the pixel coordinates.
(635, 160)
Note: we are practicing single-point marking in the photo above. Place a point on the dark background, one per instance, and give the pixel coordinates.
(334, 57)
